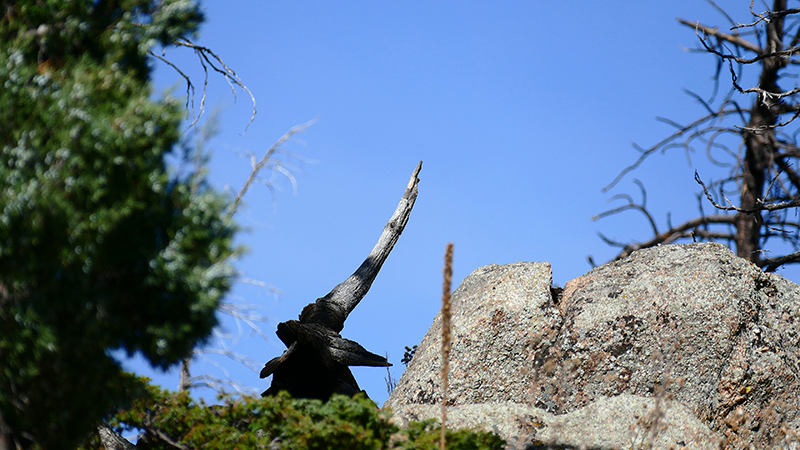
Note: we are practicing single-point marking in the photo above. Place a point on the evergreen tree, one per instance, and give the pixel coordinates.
(101, 247)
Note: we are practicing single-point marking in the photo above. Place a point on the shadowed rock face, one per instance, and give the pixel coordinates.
(692, 324)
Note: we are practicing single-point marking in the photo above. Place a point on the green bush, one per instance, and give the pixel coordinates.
(166, 419)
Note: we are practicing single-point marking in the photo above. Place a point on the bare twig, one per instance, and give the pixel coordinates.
(766, 16)
(391, 382)
(772, 264)
(257, 166)
(222, 386)
(761, 205)
(190, 91)
(206, 55)
(732, 38)
(247, 313)
(631, 205)
(666, 142)
(207, 59)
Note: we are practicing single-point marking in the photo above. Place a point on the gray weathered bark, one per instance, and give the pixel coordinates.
(112, 440)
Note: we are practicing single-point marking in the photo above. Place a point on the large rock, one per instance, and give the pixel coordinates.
(692, 324)
(496, 313)
(624, 421)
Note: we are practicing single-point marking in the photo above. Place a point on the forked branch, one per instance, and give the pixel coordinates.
(208, 59)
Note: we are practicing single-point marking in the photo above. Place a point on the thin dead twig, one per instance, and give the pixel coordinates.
(761, 205)
(661, 145)
(190, 91)
(772, 264)
(207, 58)
(203, 53)
(714, 31)
(766, 16)
(257, 166)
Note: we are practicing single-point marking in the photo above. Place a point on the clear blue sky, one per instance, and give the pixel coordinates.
(521, 111)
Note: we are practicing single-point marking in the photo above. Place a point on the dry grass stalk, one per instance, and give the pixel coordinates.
(448, 275)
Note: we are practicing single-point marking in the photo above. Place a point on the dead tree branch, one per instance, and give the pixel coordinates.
(207, 59)
(732, 38)
(689, 229)
(761, 184)
(343, 299)
(268, 158)
(761, 205)
(772, 264)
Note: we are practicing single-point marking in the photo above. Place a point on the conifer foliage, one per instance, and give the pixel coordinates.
(101, 247)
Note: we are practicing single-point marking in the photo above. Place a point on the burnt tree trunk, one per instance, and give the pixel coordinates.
(316, 362)
(760, 147)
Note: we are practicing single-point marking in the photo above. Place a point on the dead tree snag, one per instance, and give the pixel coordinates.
(316, 362)
(750, 133)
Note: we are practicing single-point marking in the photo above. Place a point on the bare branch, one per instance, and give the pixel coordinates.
(244, 360)
(644, 153)
(772, 264)
(153, 430)
(766, 16)
(763, 128)
(761, 205)
(257, 166)
(221, 386)
(230, 75)
(631, 205)
(682, 231)
(189, 86)
(722, 11)
(207, 58)
(732, 38)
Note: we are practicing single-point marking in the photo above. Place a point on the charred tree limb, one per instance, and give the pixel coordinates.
(316, 362)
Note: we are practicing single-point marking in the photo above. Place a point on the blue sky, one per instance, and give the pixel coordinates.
(521, 111)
